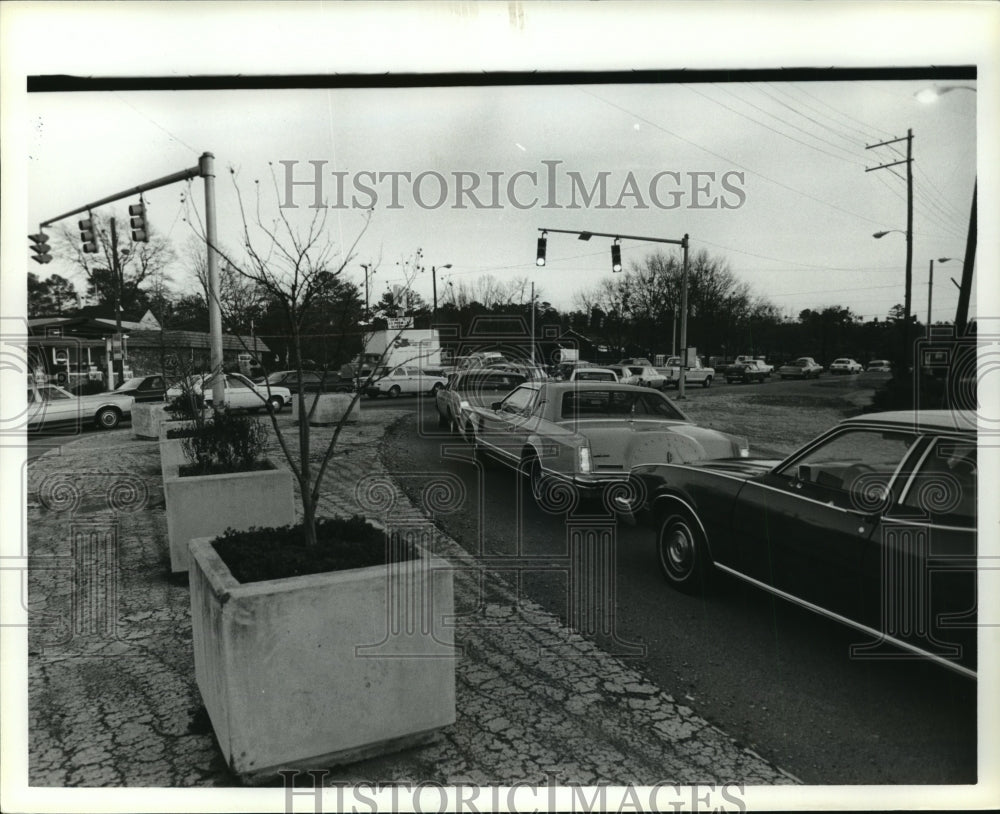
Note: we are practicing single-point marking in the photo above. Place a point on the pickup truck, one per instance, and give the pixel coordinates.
(693, 375)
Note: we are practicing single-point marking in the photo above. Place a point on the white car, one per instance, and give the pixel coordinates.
(593, 374)
(49, 404)
(240, 392)
(880, 366)
(640, 375)
(398, 381)
(845, 365)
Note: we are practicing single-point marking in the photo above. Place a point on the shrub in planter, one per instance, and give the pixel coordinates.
(340, 654)
(224, 484)
(189, 404)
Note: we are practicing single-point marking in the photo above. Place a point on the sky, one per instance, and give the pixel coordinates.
(795, 221)
(768, 176)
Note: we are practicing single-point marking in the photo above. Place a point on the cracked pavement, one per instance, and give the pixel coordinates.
(112, 696)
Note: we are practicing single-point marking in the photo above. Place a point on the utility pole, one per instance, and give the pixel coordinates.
(965, 289)
(532, 322)
(116, 269)
(906, 351)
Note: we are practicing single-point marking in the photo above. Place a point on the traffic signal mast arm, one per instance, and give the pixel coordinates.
(588, 235)
(183, 175)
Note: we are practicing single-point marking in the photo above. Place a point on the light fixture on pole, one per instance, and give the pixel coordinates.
(931, 94)
(434, 283)
(930, 289)
(616, 256)
(540, 254)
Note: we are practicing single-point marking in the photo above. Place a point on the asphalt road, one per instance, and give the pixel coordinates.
(769, 674)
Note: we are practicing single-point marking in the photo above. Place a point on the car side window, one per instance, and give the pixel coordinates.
(519, 401)
(232, 381)
(943, 490)
(853, 469)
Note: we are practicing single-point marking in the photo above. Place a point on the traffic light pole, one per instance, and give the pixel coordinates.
(683, 242)
(206, 170)
(118, 357)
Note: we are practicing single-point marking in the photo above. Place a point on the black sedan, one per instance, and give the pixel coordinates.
(143, 388)
(310, 381)
(872, 524)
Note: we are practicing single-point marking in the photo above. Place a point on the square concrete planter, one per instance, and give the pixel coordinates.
(147, 418)
(325, 669)
(202, 505)
(171, 456)
(329, 410)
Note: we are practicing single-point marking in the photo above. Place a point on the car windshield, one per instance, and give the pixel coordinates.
(595, 376)
(617, 403)
(130, 384)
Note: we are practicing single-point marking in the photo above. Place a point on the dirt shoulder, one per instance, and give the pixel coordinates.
(779, 417)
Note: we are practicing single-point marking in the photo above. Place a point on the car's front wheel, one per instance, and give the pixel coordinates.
(275, 403)
(394, 391)
(108, 418)
(707, 382)
(682, 550)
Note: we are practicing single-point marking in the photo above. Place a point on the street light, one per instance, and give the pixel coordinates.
(930, 290)
(931, 94)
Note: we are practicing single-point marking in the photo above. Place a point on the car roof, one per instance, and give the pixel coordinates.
(963, 421)
(577, 386)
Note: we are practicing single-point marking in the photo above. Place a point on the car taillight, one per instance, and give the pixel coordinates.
(584, 461)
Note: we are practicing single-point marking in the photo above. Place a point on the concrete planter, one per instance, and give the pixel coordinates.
(330, 409)
(325, 669)
(171, 456)
(209, 504)
(147, 418)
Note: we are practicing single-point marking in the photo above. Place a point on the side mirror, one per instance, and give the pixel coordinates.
(495, 405)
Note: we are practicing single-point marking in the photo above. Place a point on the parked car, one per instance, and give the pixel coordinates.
(529, 371)
(50, 405)
(640, 361)
(872, 524)
(747, 371)
(593, 374)
(880, 366)
(472, 388)
(240, 392)
(589, 435)
(404, 380)
(640, 375)
(311, 381)
(144, 388)
(844, 365)
(804, 367)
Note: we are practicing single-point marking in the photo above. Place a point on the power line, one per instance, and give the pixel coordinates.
(839, 112)
(768, 127)
(761, 175)
(854, 141)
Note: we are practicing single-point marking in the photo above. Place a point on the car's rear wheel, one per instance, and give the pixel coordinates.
(707, 382)
(108, 418)
(275, 403)
(435, 388)
(682, 550)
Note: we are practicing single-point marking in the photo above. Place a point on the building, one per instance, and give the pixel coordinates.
(69, 349)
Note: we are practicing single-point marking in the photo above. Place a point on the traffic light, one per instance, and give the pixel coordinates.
(616, 256)
(87, 236)
(40, 246)
(540, 257)
(137, 217)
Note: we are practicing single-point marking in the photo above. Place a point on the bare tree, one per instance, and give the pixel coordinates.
(295, 266)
